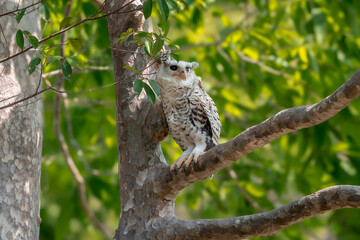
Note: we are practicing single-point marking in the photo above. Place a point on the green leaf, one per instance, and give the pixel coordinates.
(65, 22)
(140, 35)
(33, 41)
(164, 9)
(138, 86)
(147, 8)
(33, 63)
(19, 15)
(149, 92)
(157, 46)
(20, 39)
(75, 43)
(148, 46)
(155, 86)
(52, 58)
(164, 27)
(66, 70)
(171, 44)
(124, 36)
(45, 11)
(132, 69)
(26, 33)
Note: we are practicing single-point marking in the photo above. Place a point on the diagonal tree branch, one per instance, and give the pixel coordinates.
(289, 120)
(261, 224)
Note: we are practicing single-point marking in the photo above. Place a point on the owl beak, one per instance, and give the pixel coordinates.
(181, 75)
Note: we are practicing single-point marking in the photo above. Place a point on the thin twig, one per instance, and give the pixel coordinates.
(18, 9)
(51, 87)
(247, 197)
(261, 65)
(76, 70)
(64, 146)
(75, 172)
(92, 17)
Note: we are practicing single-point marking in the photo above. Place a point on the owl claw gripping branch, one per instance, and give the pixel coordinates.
(190, 112)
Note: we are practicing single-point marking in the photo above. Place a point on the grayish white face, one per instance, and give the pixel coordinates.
(176, 73)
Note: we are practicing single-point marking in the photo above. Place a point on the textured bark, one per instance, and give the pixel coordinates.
(140, 128)
(261, 224)
(20, 131)
(148, 188)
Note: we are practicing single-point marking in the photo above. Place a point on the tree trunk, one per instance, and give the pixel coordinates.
(140, 128)
(20, 130)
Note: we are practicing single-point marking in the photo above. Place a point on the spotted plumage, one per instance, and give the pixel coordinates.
(190, 112)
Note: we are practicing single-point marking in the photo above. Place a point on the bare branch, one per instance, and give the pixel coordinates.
(261, 224)
(286, 121)
(75, 172)
(77, 70)
(18, 9)
(91, 18)
(247, 197)
(262, 65)
(80, 182)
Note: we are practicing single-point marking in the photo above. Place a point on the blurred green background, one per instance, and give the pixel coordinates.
(256, 58)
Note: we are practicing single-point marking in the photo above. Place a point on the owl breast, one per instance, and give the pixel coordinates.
(181, 108)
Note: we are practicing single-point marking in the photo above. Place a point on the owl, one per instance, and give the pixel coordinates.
(190, 112)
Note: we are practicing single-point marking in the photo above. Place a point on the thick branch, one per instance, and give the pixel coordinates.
(286, 121)
(262, 224)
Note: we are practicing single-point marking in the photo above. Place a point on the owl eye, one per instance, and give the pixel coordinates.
(173, 67)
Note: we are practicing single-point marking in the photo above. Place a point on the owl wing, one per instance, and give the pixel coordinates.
(205, 114)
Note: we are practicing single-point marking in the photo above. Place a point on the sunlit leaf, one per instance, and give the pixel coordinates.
(140, 35)
(52, 59)
(132, 69)
(164, 9)
(148, 46)
(65, 22)
(124, 36)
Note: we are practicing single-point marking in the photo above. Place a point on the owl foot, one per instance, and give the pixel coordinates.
(193, 157)
(187, 159)
(177, 164)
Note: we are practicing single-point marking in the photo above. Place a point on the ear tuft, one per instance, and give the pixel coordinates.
(194, 65)
(165, 56)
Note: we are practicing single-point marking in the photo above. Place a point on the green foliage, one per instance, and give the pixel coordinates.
(164, 9)
(147, 8)
(33, 63)
(256, 59)
(19, 15)
(20, 39)
(66, 69)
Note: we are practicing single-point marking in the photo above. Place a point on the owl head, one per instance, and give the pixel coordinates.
(176, 73)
